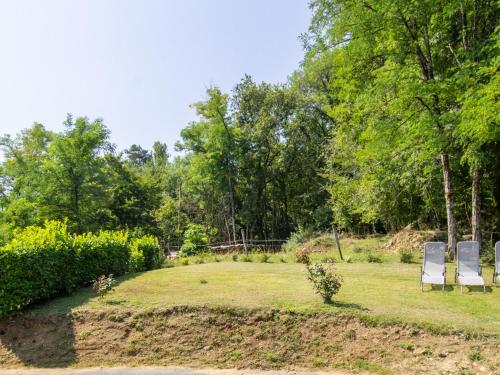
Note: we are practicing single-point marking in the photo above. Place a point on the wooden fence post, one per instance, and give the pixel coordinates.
(244, 242)
(337, 242)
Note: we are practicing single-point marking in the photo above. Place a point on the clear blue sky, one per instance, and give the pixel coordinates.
(137, 64)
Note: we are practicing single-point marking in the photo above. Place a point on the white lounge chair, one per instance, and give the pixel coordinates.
(468, 270)
(496, 272)
(434, 269)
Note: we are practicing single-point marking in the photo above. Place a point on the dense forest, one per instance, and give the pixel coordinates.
(391, 119)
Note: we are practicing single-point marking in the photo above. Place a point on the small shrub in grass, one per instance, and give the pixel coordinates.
(103, 285)
(203, 281)
(199, 260)
(264, 258)
(302, 256)
(246, 258)
(234, 257)
(408, 346)
(282, 260)
(325, 280)
(274, 357)
(374, 258)
(357, 250)
(405, 256)
(169, 264)
(475, 354)
(184, 262)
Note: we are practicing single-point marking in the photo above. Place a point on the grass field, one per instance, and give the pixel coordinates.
(259, 311)
(387, 291)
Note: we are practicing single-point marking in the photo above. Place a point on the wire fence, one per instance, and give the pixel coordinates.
(269, 245)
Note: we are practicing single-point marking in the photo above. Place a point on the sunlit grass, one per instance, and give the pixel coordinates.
(388, 290)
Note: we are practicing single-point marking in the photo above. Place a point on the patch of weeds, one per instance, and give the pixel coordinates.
(282, 260)
(217, 259)
(350, 334)
(374, 258)
(234, 257)
(117, 318)
(199, 260)
(246, 258)
(475, 354)
(169, 264)
(364, 365)
(184, 262)
(83, 335)
(405, 256)
(203, 281)
(138, 325)
(319, 362)
(357, 250)
(427, 351)
(236, 355)
(264, 258)
(132, 349)
(348, 260)
(464, 370)
(101, 315)
(274, 357)
(408, 346)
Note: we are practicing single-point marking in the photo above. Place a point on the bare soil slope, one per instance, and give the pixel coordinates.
(229, 338)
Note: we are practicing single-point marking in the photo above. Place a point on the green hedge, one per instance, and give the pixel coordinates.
(101, 254)
(149, 247)
(38, 263)
(44, 262)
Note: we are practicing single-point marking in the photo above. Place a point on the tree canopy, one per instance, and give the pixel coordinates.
(391, 119)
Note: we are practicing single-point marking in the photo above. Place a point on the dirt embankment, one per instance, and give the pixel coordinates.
(226, 338)
(410, 239)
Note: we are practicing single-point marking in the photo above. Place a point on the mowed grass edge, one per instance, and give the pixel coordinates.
(387, 291)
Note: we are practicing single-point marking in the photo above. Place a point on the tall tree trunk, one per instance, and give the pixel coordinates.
(476, 206)
(448, 196)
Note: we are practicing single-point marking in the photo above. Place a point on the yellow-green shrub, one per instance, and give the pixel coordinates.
(150, 249)
(102, 254)
(44, 262)
(39, 263)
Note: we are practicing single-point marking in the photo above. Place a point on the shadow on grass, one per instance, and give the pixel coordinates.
(344, 305)
(439, 288)
(477, 289)
(44, 335)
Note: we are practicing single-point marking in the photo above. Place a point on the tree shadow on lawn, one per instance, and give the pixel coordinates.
(345, 305)
(44, 335)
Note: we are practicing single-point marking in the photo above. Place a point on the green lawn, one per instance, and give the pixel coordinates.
(387, 290)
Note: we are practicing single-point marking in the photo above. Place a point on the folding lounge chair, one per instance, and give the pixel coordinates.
(434, 270)
(496, 273)
(468, 271)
